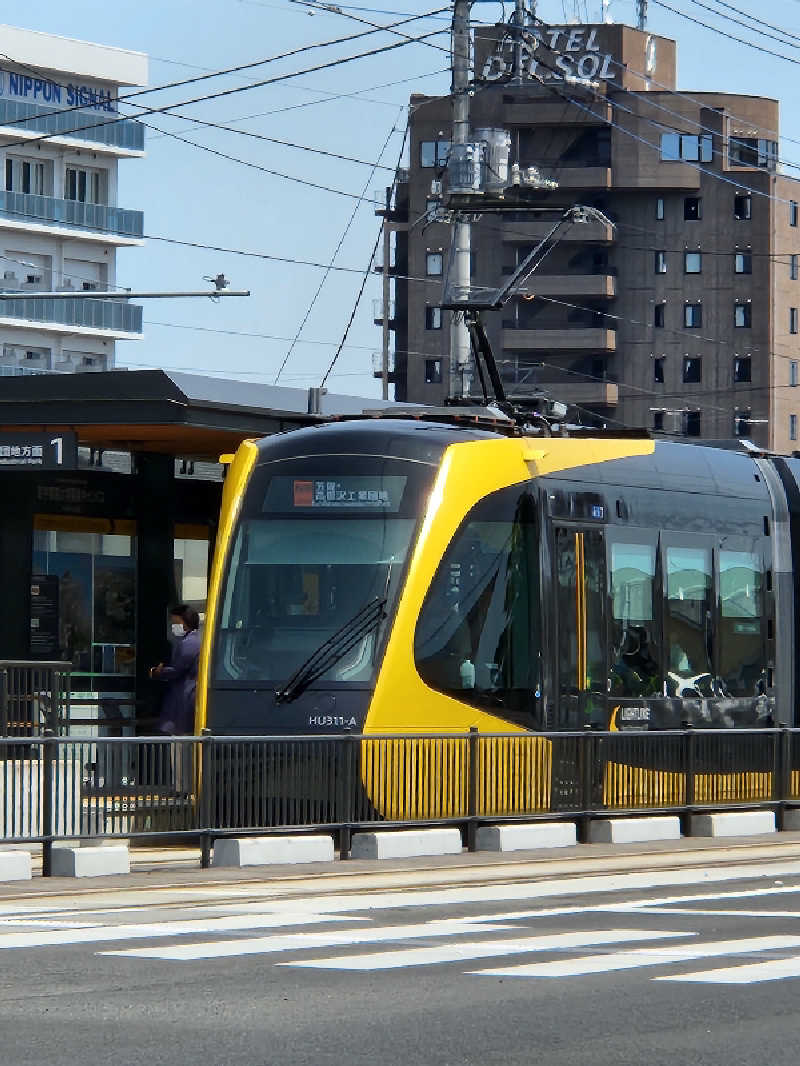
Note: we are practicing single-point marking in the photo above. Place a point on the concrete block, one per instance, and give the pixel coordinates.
(733, 824)
(791, 818)
(269, 851)
(97, 861)
(406, 843)
(524, 837)
(631, 830)
(15, 866)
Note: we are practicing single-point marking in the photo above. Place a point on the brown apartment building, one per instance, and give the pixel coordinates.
(683, 315)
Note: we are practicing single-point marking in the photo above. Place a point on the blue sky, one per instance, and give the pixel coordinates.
(191, 195)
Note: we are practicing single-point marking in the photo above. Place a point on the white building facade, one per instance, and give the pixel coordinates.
(61, 139)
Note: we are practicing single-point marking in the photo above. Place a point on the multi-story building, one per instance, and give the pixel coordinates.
(682, 316)
(61, 137)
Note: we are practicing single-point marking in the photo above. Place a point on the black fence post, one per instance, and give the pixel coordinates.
(691, 768)
(782, 775)
(349, 810)
(586, 743)
(48, 751)
(205, 800)
(473, 764)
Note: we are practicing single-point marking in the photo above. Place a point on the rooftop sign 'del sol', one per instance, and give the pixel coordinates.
(572, 51)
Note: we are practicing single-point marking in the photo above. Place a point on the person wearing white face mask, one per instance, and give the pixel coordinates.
(177, 709)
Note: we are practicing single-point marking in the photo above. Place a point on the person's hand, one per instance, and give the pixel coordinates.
(155, 671)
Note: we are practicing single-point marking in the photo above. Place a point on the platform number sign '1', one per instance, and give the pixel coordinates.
(43, 451)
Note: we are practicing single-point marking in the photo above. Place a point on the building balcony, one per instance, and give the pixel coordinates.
(560, 340)
(50, 211)
(113, 317)
(25, 120)
(577, 177)
(584, 393)
(603, 286)
(530, 232)
(537, 112)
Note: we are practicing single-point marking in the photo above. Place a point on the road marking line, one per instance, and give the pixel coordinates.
(640, 957)
(590, 884)
(392, 960)
(204, 927)
(774, 970)
(299, 941)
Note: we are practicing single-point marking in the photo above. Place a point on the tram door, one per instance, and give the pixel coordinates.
(580, 585)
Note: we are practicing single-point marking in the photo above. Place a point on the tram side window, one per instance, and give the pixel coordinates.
(688, 621)
(742, 667)
(476, 634)
(634, 670)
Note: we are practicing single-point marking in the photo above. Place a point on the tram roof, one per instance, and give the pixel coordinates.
(190, 415)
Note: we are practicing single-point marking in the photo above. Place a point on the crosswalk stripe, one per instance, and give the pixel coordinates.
(774, 970)
(391, 960)
(144, 931)
(301, 941)
(641, 957)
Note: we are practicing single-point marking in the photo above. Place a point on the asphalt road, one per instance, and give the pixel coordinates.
(689, 966)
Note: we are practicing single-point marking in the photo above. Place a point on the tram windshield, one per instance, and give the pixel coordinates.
(314, 545)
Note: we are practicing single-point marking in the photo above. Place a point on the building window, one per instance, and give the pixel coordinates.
(658, 315)
(692, 370)
(677, 147)
(743, 263)
(693, 315)
(742, 316)
(433, 153)
(658, 369)
(692, 262)
(85, 185)
(433, 371)
(433, 318)
(793, 320)
(741, 369)
(692, 208)
(432, 205)
(658, 421)
(433, 264)
(660, 208)
(753, 152)
(27, 176)
(661, 262)
(794, 267)
(692, 423)
(792, 427)
(741, 422)
(793, 372)
(742, 207)
(793, 212)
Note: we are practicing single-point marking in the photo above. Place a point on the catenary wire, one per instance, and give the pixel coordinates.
(337, 249)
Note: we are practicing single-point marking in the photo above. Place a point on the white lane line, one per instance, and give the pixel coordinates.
(649, 903)
(144, 931)
(529, 890)
(640, 957)
(265, 945)
(477, 949)
(774, 970)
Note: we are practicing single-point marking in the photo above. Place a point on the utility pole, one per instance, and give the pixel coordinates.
(459, 336)
(386, 293)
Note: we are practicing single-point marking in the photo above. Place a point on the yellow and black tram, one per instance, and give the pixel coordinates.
(392, 577)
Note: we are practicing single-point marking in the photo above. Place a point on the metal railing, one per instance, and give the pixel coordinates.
(34, 696)
(64, 788)
(53, 211)
(117, 315)
(99, 126)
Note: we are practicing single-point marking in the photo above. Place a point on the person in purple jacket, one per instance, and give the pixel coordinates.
(180, 677)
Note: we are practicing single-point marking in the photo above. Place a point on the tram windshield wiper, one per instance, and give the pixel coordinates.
(333, 649)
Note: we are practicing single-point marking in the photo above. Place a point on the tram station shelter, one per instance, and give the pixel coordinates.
(111, 488)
